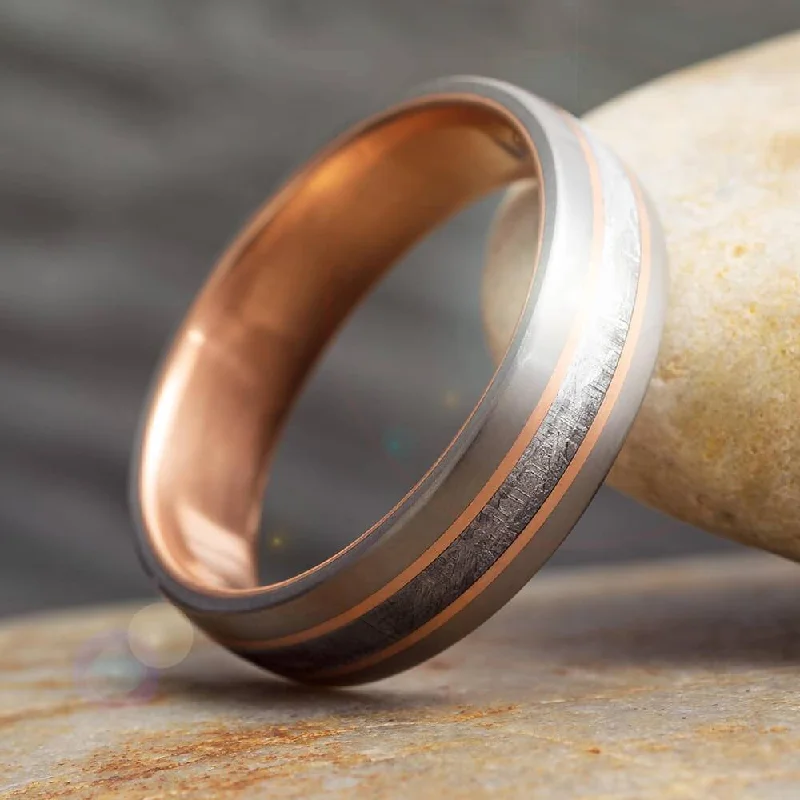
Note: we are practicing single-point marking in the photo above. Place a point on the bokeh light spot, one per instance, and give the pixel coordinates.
(160, 636)
(396, 443)
(277, 541)
(451, 399)
(107, 672)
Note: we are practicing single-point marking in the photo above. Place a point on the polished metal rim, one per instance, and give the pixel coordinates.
(524, 467)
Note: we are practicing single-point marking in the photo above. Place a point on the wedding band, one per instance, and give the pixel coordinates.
(524, 466)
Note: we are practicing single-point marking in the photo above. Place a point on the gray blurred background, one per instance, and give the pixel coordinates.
(134, 139)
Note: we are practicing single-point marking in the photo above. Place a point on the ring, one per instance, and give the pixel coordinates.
(515, 479)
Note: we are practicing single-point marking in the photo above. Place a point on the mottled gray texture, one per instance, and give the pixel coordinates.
(135, 137)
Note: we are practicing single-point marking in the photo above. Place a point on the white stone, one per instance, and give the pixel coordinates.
(717, 442)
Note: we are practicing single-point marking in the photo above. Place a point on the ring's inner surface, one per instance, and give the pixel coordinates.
(276, 299)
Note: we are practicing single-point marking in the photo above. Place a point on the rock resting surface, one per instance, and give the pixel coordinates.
(671, 681)
(718, 148)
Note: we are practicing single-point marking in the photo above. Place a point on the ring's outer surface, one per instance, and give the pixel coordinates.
(521, 471)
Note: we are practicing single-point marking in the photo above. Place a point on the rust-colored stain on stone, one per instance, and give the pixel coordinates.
(44, 712)
(662, 681)
(210, 761)
(145, 760)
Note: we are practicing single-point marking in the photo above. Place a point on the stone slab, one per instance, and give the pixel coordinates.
(676, 680)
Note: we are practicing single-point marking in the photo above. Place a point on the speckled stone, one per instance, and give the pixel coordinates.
(718, 148)
(667, 681)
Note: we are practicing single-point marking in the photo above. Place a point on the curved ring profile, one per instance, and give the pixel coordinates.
(519, 473)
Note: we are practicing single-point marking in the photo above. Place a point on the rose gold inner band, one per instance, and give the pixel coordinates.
(274, 301)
